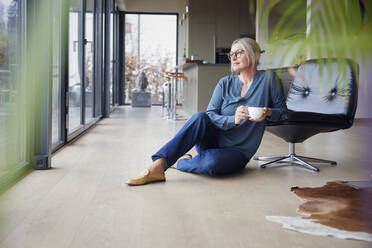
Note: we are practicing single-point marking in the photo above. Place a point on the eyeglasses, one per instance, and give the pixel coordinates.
(237, 54)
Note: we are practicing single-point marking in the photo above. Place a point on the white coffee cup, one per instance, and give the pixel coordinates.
(255, 112)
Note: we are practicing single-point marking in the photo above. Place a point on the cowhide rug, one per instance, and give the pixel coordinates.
(336, 209)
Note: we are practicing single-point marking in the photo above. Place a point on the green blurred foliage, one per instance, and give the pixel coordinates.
(332, 28)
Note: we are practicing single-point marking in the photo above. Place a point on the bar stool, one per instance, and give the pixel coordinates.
(172, 96)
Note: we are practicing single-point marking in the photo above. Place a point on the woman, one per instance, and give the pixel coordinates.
(225, 136)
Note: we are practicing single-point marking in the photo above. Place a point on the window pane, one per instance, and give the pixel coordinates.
(74, 80)
(150, 47)
(12, 128)
(112, 64)
(89, 49)
(56, 114)
(98, 64)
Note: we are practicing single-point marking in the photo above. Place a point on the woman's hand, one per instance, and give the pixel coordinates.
(241, 114)
(266, 112)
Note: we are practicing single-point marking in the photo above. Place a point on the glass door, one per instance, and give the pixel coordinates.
(12, 94)
(75, 82)
(98, 57)
(56, 73)
(112, 59)
(114, 53)
(89, 61)
(150, 49)
(84, 92)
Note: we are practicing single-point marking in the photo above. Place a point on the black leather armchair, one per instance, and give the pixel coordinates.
(322, 98)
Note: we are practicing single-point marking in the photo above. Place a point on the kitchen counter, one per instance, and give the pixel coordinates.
(202, 79)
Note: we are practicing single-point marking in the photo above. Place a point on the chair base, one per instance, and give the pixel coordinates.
(292, 158)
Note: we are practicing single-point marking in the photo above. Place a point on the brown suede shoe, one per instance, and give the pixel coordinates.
(146, 178)
(186, 156)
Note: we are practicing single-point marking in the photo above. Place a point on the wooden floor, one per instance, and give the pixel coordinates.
(84, 201)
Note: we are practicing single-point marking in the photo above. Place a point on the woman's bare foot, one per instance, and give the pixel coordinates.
(186, 156)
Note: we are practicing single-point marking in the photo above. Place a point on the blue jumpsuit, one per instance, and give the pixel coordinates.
(222, 146)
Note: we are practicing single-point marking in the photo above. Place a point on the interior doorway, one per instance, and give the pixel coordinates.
(151, 48)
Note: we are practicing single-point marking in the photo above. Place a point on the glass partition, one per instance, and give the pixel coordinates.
(12, 116)
(75, 73)
(56, 90)
(150, 47)
(89, 51)
(112, 60)
(99, 62)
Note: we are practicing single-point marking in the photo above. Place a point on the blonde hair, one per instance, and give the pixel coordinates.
(251, 49)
